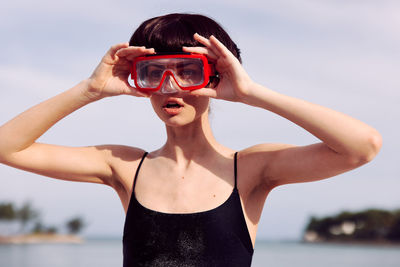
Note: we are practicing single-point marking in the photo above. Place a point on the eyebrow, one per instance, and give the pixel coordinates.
(179, 65)
(160, 66)
(185, 64)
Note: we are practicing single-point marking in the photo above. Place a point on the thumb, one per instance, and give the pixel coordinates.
(130, 90)
(205, 92)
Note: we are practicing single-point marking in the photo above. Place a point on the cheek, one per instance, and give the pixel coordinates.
(199, 103)
(156, 103)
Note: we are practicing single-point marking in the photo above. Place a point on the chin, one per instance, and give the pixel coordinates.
(180, 111)
(179, 121)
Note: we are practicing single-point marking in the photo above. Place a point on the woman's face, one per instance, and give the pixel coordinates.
(180, 108)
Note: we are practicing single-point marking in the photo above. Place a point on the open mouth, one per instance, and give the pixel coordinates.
(172, 104)
(172, 107)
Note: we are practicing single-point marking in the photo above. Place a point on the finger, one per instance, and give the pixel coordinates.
(205, 92)
(134, 51)
(127, 50)
(110, 55)
(201, 39)
(117, 47)
(220, 46)
(201, 50)
(129, 90)
(141, 94)
(138, 54)
(206, 42)
(123, 65)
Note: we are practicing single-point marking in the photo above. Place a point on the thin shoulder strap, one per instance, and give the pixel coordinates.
(236, 169)
(137, 171)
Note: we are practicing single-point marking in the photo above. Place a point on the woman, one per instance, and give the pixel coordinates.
(193, 202)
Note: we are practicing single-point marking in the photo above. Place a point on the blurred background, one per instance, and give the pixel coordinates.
(341, 54)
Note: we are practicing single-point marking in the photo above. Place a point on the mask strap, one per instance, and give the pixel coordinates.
(212, 79)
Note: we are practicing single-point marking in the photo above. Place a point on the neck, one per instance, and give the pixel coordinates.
(189, 142)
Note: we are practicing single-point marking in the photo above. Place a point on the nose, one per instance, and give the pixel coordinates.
(169, 86)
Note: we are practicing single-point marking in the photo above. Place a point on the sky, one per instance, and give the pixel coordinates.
(341, 54)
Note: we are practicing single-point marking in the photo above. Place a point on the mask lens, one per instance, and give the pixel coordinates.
(187, 72)
(150, 73)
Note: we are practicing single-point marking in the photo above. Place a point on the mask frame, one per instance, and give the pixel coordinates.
(208, 72)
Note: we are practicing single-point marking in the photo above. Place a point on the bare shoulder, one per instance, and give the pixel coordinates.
(255, 161)
(123, 161)
(261, 150)
(253, 179)
(121, 152)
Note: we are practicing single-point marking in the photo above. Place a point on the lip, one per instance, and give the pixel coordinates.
(172, 111)
(173, 99)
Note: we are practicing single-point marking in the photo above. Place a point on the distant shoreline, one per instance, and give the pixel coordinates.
(381, 243)
(41, 239)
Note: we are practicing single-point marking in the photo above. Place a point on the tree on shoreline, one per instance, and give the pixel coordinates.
(7, 212)
(367, 225)
(75, 225)
(39, 228)
(27, 214)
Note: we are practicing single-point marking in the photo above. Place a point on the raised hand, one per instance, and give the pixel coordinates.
(234, 82)
(110, 78)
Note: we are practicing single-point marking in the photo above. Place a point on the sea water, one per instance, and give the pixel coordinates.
(108, 253)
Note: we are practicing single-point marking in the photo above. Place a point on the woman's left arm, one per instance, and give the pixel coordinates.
(347, 143)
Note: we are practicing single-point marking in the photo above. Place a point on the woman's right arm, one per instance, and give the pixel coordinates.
(18, 146)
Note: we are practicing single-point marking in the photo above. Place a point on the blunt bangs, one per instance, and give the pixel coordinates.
(170, 32)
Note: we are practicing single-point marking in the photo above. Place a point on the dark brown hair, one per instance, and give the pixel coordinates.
(170, 32)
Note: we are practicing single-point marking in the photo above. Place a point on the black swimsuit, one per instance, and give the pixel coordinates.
(217, 237)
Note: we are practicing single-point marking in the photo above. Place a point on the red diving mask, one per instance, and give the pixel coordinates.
(171, 72)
